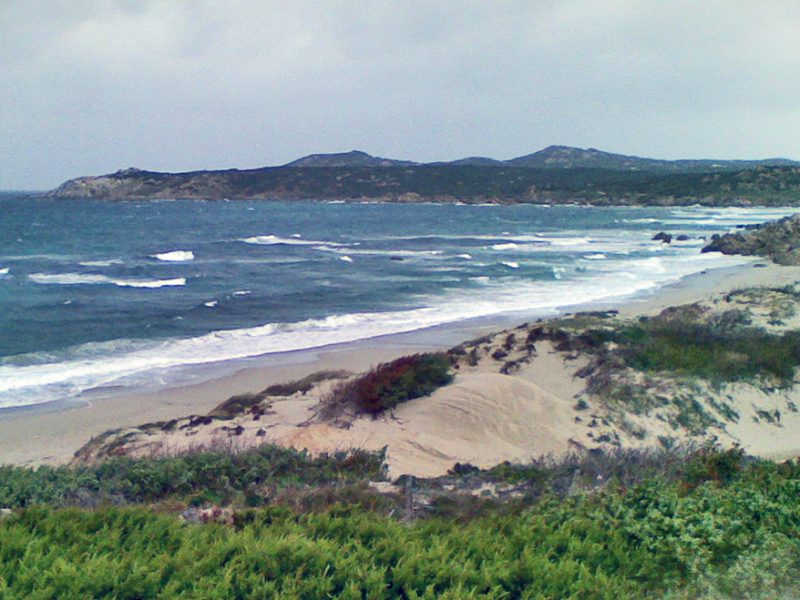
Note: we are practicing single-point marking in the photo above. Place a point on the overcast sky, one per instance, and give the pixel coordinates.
(89, 87)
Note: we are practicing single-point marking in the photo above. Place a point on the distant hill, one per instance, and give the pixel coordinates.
(552, 157)
(556, 174)
(354, 158)
(566, 157)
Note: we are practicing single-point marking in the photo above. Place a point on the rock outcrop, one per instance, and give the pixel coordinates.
(778, 240)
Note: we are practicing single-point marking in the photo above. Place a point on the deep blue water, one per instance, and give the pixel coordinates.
(97, 293)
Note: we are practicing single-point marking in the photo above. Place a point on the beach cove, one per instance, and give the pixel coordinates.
(42, 436)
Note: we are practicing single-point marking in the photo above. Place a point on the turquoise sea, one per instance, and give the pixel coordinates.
(95, 294)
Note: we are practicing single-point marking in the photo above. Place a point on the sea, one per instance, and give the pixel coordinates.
(98, 295)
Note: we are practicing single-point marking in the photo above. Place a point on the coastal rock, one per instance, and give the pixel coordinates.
(778, 240)
(662, 237)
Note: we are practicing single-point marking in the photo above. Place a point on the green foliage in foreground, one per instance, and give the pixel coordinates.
(246, 477)
(735, 540)
(737, 536)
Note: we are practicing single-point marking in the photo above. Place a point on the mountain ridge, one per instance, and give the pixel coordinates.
(553, 157)
(556, 174)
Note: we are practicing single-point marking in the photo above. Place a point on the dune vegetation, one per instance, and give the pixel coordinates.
(706, 523)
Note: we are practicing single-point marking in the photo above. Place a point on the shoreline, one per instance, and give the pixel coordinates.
(51, 434)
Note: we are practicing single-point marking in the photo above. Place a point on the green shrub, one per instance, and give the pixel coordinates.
(713, 464)
(198, 478)
(650, 540)
(709, 351)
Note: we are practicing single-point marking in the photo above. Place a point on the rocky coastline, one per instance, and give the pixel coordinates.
(555, 175)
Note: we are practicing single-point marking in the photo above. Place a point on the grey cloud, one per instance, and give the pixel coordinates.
(90, 87)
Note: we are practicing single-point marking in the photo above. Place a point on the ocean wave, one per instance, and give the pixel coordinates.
(563, 241)
(101, 263)
(593, 246)
(724, 217)
(174, 256)
(510, 264)
(378, 252)
(273, 240)
(90, 279)
(138, 363)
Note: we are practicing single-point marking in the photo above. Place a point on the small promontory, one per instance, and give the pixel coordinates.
(778, 240)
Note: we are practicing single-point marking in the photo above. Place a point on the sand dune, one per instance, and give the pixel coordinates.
(481, 419)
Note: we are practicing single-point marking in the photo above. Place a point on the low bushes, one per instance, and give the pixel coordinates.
(389, 384)
(703, 350)
(685, 341)
(247, 477)
(236, 405)
(656, 539)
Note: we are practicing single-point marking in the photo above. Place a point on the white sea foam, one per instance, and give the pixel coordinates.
(68, 278)
(346, 259)
(725, 217)
(600, 241)
(509, 246)
(595, 256)
(464, 256)
(175, 256)
(564, 241)
(242, 293)
(377, 252)
(4, 271)
(211, 303)
(90, 279)
(158, 283)
(510, 264)
(100, 263)
(272, 240)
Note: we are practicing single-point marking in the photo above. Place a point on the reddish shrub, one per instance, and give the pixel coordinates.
(389, 384)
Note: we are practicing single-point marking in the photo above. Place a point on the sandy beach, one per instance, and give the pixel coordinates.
(41, 436)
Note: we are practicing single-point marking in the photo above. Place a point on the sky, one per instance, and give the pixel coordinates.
(92, 86)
